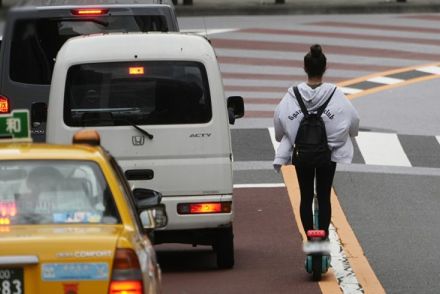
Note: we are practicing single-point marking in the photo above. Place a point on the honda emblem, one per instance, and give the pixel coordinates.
(138, 140)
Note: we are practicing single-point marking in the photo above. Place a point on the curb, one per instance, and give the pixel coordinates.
(293, 9)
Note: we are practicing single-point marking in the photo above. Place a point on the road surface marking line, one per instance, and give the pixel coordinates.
(275, 144)
(388, 87)
(205, 32)
(385, 73)
(385, 80)
(381, 149)
(430, 69)
(348, 90)
(268, 185)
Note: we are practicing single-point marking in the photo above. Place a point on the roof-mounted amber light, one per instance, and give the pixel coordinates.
(89, 137)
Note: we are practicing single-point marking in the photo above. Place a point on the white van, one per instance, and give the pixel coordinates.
(157, 101)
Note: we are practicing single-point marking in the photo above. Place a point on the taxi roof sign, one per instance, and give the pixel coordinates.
(15, 126)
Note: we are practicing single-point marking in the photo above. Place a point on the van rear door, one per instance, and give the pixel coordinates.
(157, 119)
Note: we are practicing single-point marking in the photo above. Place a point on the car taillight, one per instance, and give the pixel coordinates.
(126, 287)
(89, 11)
(202, 208)
(127, 274)
(5, 107)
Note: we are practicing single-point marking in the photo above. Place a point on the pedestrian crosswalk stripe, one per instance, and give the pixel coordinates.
(382, 149)
(373, 148)
(385, 80)
(348, 90)
(272, 138)
(430, 69)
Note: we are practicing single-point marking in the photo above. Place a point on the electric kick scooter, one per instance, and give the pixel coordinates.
(318, 248)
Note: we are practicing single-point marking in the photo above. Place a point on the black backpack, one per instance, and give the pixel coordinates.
(311, 147)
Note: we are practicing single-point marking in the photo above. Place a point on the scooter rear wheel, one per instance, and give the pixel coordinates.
(316, 267)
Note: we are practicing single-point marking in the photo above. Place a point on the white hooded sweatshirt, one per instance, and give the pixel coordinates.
(340, 117)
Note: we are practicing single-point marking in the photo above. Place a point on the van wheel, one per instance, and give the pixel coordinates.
(224, 246)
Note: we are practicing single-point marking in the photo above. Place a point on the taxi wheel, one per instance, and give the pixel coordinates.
(224, 247)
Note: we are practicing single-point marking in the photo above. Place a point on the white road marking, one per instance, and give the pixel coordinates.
(275, 144)
(209, 31)
(385, 80)
(347, 90)
(430, 69)
(268, 185)
(382, 149)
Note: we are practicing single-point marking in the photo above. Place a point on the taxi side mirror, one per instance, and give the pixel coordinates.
(38, 113)
(152, 212)
(235, 107)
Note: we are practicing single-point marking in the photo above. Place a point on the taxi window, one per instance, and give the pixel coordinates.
(141, 93)
(55, 192)
(36, 42)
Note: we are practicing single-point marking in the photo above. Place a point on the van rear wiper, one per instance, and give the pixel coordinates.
(89, 116)
(144, 132)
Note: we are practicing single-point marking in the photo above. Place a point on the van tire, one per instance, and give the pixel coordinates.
(224, 247)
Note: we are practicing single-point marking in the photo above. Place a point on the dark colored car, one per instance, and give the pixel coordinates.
(35, 31)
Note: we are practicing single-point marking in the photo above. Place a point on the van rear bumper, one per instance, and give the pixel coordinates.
(196, 221)
(195, 237)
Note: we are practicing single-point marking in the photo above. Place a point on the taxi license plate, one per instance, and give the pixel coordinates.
(11, 280)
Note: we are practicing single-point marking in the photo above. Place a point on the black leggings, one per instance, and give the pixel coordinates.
(324, 181)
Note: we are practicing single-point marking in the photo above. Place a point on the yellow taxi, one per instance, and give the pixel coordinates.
(69, 222)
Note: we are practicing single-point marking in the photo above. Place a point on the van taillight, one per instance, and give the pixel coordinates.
(89, 11)
(5, 107)
(127, 274)
(202, 208)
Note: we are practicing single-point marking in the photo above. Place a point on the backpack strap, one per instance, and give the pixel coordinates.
(323, 106)
(300, 101)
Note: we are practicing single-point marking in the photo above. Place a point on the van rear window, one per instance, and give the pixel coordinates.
(144, 93)
(35, 42)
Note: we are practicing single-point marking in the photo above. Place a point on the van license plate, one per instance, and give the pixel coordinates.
(11, 280)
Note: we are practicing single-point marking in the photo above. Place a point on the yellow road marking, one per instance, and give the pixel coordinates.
(351, 246)
(387, 87)
(383, 74)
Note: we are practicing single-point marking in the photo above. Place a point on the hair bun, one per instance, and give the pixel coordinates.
(316, 50)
